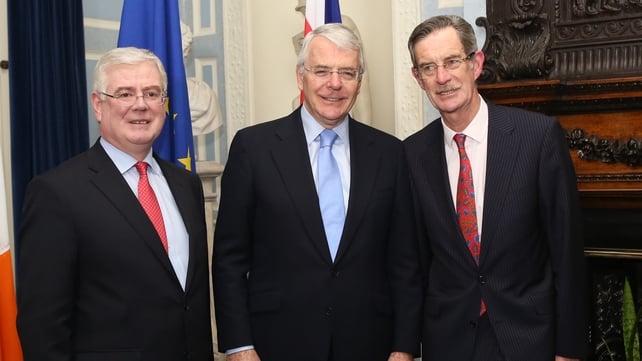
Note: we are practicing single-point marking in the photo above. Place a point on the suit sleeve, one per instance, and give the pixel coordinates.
(45, 275)
(404, 269)
(232, 250)
(560, 214)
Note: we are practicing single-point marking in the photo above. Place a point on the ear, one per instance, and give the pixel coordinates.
(415, 74)
(96, 106)
(478, 60)
(299, 77)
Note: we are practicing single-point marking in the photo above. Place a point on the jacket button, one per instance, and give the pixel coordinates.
(328, 311)
(335, 274)
(482, 280)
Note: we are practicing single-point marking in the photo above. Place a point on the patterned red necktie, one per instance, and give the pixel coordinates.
(148, 200)
(466, 211)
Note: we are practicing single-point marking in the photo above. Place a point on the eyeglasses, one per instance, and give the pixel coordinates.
(430, 69)
(344, 74)
(149, 96)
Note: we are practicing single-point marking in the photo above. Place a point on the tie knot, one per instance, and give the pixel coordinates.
(327, 138)
(141, 167)
(460, 139)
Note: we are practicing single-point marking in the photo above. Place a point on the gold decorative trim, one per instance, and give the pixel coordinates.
(622, 253)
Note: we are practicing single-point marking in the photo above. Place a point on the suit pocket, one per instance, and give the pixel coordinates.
(264, 301)
(109, 356)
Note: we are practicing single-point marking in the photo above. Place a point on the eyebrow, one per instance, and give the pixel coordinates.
(330, 67)
(453, 56)
(131, 88)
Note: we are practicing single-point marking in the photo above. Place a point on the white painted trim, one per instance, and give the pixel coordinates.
(200, 63)
(406, 14)
(199, 29)
(93, 55)
(238, 98)
(101, 24)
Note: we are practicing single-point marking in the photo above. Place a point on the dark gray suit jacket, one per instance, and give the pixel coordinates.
(531, 273)
(94, 282)
(275, 285)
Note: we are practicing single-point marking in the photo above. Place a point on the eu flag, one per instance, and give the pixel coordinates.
(155, 25)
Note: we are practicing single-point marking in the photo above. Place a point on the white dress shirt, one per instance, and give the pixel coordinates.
(340, 149)
(477, 150)
(177, 236)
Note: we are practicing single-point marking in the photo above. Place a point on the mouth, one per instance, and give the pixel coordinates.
(140, 122)
(332, 100)
(449, 91)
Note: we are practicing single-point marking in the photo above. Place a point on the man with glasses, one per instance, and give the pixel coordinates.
(314, 250)
(510, 286)
(113, 246)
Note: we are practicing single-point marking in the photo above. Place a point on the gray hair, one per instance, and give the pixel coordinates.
(340, 35)
(428, 26)
(129, 55)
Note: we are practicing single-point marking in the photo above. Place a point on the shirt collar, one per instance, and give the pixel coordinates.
(312, 128)
(124, 161)
(476, 130)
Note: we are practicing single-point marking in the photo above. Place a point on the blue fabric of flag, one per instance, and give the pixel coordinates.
(332, 11)
(155, 25)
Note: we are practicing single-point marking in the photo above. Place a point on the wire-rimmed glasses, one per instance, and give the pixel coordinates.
(149, 96)
(430, 69)
(345, 75)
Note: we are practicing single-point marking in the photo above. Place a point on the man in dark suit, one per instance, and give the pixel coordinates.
(281, 292)
(518, 291)
(97, 278)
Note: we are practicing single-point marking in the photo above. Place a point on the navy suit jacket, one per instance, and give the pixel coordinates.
(275, 284)
(94, 282)
(532, 272)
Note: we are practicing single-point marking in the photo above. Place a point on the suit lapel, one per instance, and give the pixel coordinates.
(365, 163)
(435, 170)
(502, 153)
(111, 183)
(184, 198)
(291, 157)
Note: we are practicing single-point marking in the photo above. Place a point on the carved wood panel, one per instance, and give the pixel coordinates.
(580, 61)
(562, 39)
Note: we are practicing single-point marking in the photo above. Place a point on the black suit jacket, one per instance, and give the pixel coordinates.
(275, 284)
(94, 282)
(531, 271)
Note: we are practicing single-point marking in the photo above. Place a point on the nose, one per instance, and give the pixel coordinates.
(335, 81)
(140, 102)
(442, 75)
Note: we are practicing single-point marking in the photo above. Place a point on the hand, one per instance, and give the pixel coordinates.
(560, 358)
(400, 356)
(247, 355)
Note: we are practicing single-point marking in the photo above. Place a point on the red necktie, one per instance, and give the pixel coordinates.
(148, 200)
(466, 211)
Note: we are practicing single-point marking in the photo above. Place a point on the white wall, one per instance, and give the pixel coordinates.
(273, 59)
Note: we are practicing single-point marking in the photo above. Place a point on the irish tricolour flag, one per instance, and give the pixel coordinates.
(9, 343)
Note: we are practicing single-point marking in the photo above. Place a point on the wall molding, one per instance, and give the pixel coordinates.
(101, 24)
(409, 112)
(238, 98)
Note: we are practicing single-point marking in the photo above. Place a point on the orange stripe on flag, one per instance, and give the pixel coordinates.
(9, 343)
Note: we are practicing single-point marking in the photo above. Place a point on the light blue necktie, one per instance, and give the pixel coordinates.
(330, 192)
